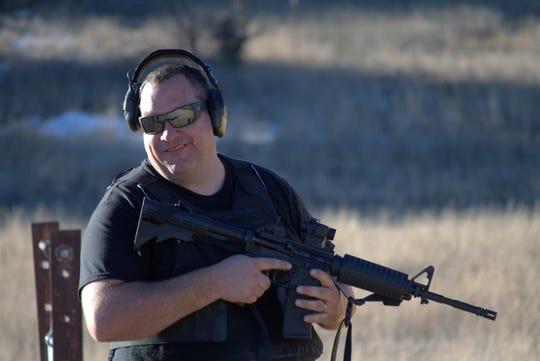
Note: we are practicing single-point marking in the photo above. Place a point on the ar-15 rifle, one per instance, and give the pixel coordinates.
(159, 222)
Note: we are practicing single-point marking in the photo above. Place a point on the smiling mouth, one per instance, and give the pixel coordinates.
(175, 149)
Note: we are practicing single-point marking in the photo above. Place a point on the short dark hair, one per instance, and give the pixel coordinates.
(192, 74)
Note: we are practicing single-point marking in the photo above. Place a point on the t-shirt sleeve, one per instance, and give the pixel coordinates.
(107, 245)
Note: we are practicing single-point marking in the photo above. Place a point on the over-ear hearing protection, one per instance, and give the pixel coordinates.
(215, 104)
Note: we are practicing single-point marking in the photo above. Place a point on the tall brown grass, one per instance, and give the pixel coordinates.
(483, 257)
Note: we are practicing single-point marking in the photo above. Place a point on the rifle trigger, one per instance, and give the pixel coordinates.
(280, 278)
(183, 206)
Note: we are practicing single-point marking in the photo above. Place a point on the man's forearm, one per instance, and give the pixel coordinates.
(115, 310)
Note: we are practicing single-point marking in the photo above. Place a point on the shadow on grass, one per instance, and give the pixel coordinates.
(343, 139)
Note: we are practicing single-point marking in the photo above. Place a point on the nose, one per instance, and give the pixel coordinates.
(168, 131)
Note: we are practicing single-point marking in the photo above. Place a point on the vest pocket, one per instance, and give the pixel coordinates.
(207, 324)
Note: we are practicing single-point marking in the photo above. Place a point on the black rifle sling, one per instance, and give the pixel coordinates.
(347, 323)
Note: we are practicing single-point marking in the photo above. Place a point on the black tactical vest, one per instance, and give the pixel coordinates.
(252, 208)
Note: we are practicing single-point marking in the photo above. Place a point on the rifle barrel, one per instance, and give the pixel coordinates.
(479, 311)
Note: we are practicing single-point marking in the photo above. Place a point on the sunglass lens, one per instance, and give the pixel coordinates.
(151, 126)
(183, 117)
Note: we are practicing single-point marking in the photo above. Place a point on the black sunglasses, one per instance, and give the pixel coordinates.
(178, 118)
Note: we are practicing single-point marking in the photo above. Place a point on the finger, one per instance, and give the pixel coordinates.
(319, 306)
(259, 291)
(324, 278)
(263, 282)
(316, 318)
(265, 264)
(324, 306)
(319, 292)
(312, 291)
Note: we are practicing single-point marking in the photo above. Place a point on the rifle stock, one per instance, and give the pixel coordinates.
(159, 222)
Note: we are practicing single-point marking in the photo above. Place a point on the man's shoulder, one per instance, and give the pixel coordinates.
(125, 187)
(130, 178)
(266, 174)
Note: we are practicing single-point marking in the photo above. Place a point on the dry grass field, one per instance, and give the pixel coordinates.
(482, 257)
(485, 258)
(412, 130)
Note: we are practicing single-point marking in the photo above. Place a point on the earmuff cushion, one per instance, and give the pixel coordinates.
(131, 108)
(217, 111)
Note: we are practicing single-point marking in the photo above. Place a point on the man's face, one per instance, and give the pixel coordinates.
(179, 154)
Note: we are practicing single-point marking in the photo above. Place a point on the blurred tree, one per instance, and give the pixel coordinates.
(189, 20)
(229, 25)
(232, 31)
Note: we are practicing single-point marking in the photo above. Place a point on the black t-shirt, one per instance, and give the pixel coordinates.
(107, 248)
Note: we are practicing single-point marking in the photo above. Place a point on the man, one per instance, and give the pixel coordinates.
(184, 300)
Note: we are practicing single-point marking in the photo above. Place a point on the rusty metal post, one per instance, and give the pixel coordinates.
(56, 265)
(41, 241)
(66, 310)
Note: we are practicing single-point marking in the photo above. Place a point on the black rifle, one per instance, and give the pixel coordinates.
(160, 222)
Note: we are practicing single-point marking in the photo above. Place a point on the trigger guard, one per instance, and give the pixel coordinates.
(279, 278)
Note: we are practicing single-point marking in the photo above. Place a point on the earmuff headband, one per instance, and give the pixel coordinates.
(161, 54)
